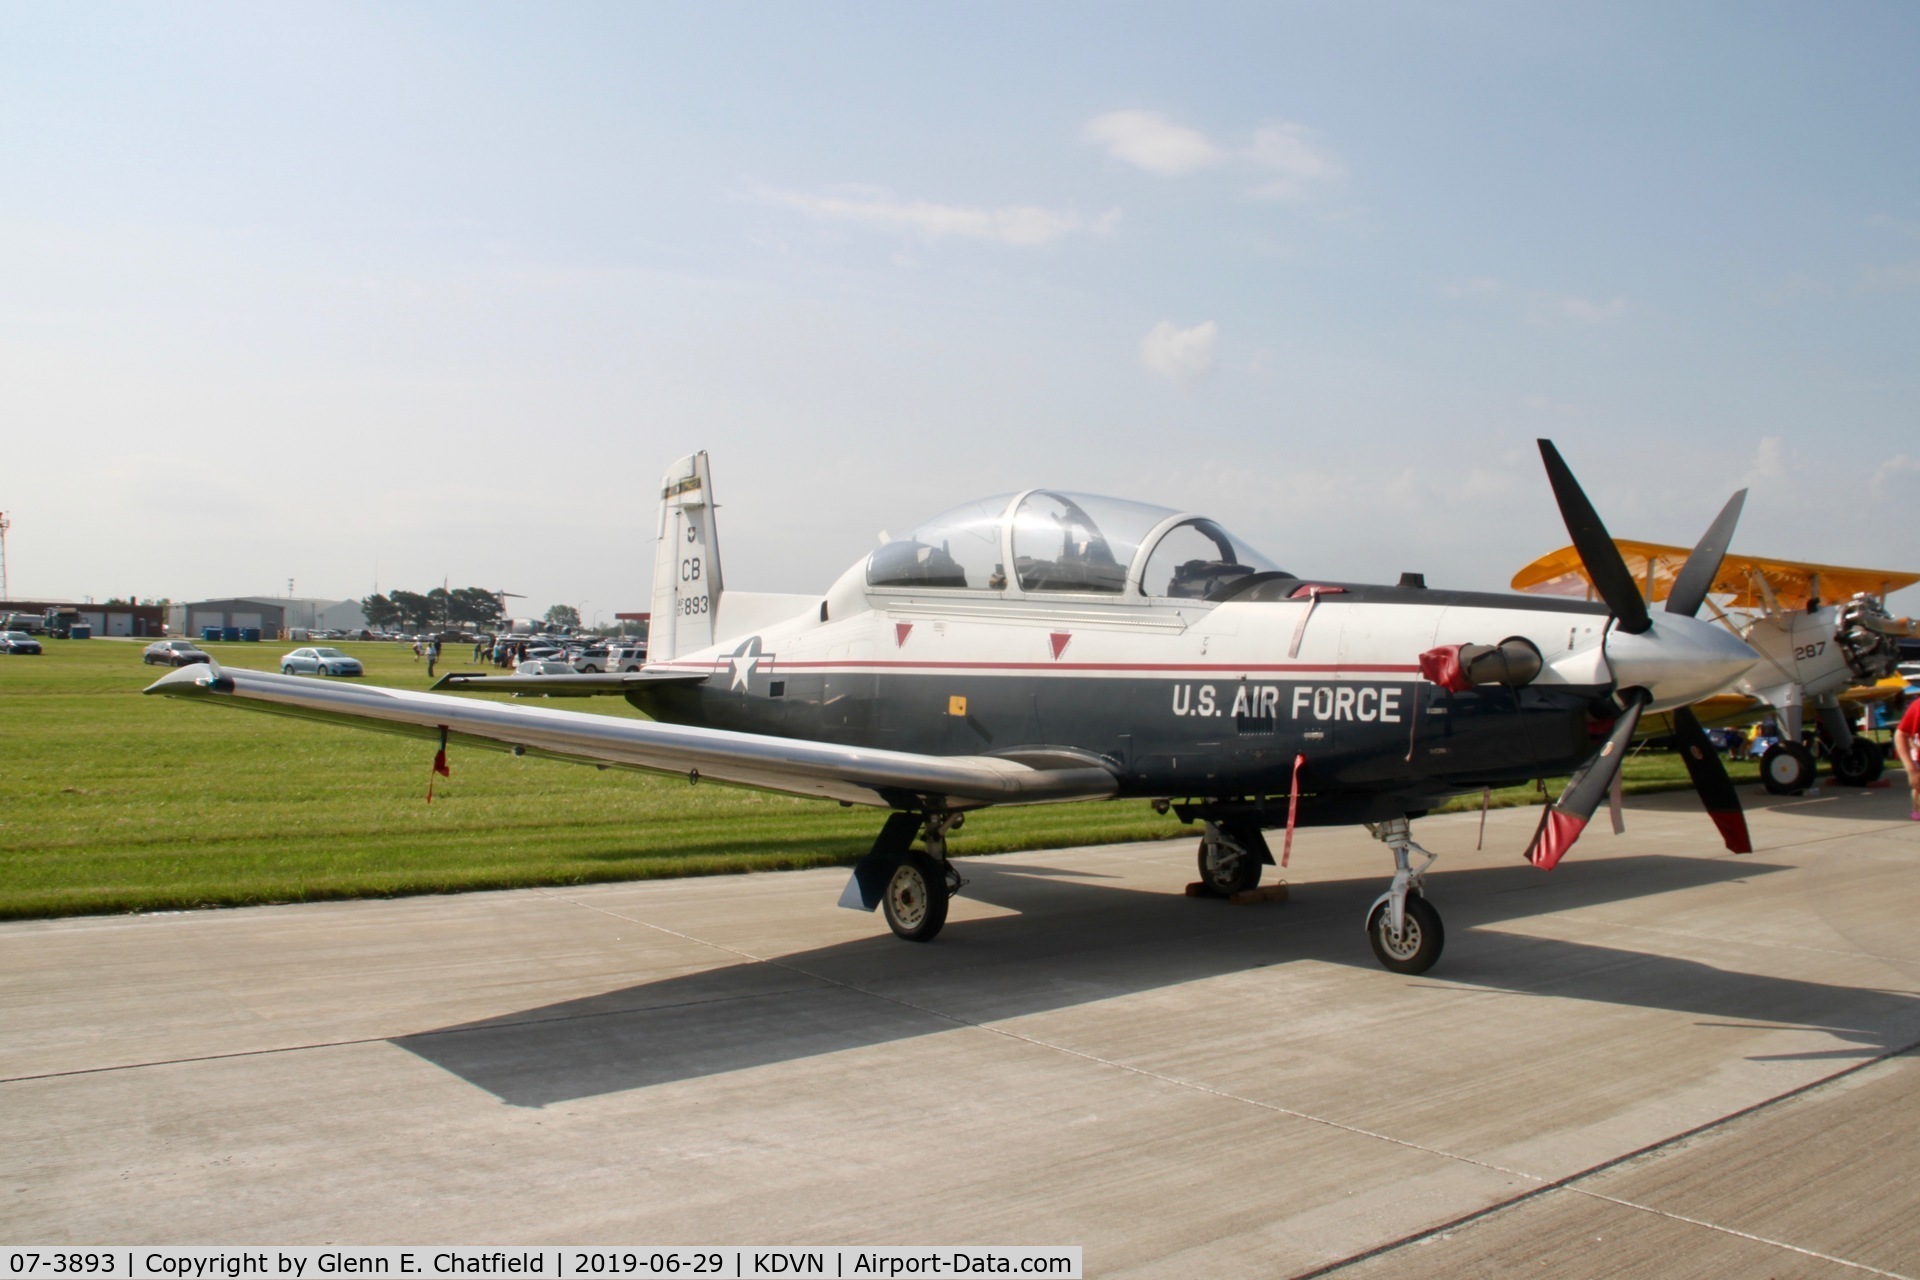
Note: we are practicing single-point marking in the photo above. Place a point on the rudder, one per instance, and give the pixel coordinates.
(686, 564)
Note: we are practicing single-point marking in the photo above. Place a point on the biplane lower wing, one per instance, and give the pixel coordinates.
(858, 775)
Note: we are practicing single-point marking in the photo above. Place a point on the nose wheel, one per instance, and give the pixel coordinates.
(1414, 946)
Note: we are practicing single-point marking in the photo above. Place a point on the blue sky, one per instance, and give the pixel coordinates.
(430, 291)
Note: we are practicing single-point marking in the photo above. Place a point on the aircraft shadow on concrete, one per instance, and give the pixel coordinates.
(1075, 943)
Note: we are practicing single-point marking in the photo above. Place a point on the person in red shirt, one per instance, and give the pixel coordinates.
(1906, 744)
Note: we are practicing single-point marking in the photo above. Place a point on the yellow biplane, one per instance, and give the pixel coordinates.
(1835, 658)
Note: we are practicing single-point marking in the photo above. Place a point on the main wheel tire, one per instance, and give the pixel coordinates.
(1860, 764)
(1419, 943)
(915, 902)
(1225, 870)
(1787, 768)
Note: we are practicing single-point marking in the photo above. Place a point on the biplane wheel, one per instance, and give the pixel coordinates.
(1226, 870)
(916, 898)
(1787, 768)
(1860, 764)
(1419, 943)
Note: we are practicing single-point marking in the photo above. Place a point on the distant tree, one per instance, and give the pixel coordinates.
(563, 617)
(416, 610)
(381, 612)
(476, 605)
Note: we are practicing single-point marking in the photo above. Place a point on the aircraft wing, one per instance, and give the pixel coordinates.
(1655, 565)
(854, 774)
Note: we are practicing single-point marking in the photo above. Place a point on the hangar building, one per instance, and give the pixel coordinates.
(120, 618)
(274, 615)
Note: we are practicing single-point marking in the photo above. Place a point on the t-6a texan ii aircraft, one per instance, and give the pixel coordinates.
(1047, 646)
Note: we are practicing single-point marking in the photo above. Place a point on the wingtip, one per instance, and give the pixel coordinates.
(195, 680)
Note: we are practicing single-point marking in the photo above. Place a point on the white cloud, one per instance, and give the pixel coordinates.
(1769, 469)
(1553, 308)
(1894, 279)
(1288, 160)
(1538, 306)
(1184, 355)
(1295, 167)
(1023, 225)
(1152, 142)
(1895, 475)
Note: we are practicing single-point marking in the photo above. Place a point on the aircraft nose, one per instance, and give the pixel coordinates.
(1678, 659)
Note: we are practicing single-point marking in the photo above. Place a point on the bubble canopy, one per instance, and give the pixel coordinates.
(1057, 542)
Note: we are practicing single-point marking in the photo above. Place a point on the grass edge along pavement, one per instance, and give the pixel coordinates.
(115, 802)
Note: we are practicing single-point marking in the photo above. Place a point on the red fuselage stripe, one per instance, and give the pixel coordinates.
(772, 660)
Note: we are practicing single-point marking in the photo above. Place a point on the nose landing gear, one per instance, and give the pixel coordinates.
(1402, 925)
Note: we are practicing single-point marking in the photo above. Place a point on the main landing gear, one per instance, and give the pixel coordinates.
(911, 886)
(920, 887)
(1402, 925)
(1230, 859)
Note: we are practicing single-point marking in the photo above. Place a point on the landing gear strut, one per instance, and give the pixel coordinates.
(1402, 926)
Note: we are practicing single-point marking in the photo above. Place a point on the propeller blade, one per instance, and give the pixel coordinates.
(1568, 816)
(1710, 780)
(1607, 571)
(1691, 587)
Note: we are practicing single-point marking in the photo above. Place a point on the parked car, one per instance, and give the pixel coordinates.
(174, 653)
(18, 642)
(626, 657)
(545, 667)
(322, 661)
(591, 660)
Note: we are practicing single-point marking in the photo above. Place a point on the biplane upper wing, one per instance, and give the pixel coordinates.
(1655, 565)
(858, 775)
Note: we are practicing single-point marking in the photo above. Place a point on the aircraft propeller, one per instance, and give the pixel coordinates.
(1590, 784)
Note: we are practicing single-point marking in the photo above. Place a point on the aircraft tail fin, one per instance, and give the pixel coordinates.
(686, 563)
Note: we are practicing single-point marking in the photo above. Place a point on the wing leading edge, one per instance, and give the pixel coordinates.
(890, 779)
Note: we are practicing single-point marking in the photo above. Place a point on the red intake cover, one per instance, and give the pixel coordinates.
(1442, 666)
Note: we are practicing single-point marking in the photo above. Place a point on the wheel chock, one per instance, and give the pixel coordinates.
(1265, 893)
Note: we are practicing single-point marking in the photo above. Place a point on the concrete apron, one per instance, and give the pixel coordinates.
(1085, 1056)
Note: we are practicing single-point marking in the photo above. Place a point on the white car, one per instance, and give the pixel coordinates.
(545, 667)
(321, 661)
(626, 657)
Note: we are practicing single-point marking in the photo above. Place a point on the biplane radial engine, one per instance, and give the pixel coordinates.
(1047, 646)
(1812, 654)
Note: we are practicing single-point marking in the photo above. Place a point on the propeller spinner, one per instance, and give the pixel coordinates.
(1657, 663)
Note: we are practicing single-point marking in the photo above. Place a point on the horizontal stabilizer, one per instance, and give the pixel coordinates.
(586, 684)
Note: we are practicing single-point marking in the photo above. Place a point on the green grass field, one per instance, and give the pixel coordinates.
(110, 801)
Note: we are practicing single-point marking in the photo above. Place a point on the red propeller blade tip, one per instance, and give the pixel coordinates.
(1555, 838)
(1733, 830)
